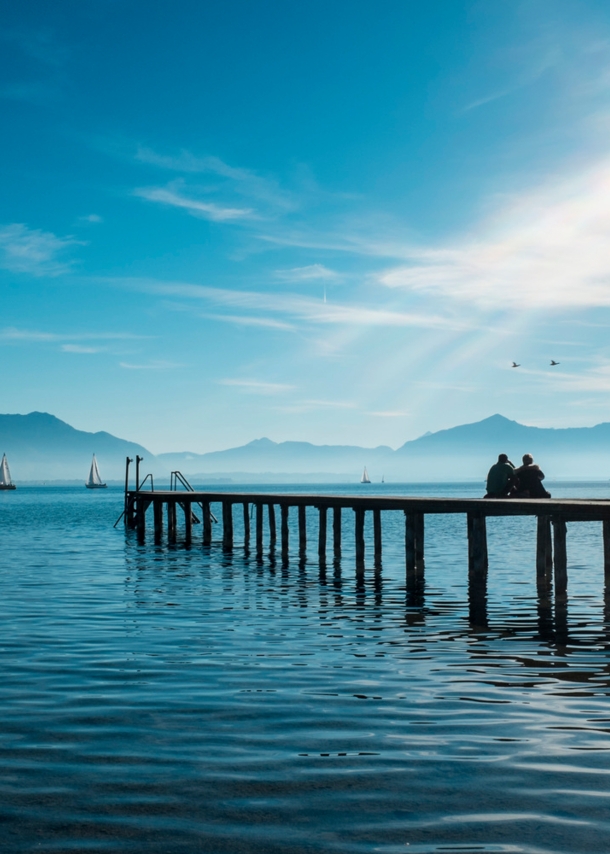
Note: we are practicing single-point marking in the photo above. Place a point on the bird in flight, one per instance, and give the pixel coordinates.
(515, 365)
(553, 362)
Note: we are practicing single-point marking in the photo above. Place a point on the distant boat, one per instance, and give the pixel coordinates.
(95, 481)
(5, 475)
(383, 478)
(365, 477)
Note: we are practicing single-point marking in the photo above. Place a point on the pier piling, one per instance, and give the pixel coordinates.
(272, 528)
(377, 535)
(359, 531)
(158, 522)
(337, 533)
(284, 509)
(171, 522)
(246, 508)
(227, 525)
(477, 545)
(259, 528)
(544, 547)
(188, 522)
(207, 523)
(302, 529)
(322, 533)
(560, 557)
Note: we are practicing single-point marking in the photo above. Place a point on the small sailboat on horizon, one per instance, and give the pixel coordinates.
(95, 481)
(365, 477)
(5, 475)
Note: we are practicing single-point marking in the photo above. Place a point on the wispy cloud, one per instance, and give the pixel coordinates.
(207, 210)
(488, 99)
(246, 320)
(242, 181)
(257, 386)
(298, 307)
(158, 365)
(14, 334)
(389, 414)
(78, 348)
(90, 219)
(304, 274)
(546, 249)
(30, 250)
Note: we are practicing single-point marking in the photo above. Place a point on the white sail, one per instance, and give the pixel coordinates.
(365, 477)
(5, 475)
(94, 474)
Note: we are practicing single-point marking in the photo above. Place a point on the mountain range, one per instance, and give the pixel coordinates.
(459, 453)
(42, 447)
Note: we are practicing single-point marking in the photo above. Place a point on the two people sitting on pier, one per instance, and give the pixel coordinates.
(506, 481)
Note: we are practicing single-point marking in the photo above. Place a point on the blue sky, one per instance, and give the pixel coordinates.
(334, 222)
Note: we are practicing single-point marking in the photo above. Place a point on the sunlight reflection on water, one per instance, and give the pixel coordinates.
(173, 699)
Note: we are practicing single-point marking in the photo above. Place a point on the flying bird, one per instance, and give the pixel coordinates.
(553, 362)
(515, 365)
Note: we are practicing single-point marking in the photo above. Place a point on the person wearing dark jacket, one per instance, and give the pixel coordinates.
(501, 478)
(529, 479)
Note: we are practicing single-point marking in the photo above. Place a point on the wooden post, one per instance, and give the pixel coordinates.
(246, 525)
(377, 535)
(477, 546)
(560, 555)
(410, 542)
(188, 522)
(227, 525)
(171, 521)
(337, 532)
(322, 535)
(207, 524)
(544, 547)
(158, 521)
(259, 528)
(418, 523)
(141, 519)
(359, 535)
(272, 530)
(302, 529)
(606, 534)
(284, 509)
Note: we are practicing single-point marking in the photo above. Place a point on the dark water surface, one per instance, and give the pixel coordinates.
(166, 699)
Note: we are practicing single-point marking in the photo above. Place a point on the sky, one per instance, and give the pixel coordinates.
(336, 222)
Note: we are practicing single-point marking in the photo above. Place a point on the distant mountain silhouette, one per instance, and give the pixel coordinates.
(41, 447)
(264, 456)
(458, 453)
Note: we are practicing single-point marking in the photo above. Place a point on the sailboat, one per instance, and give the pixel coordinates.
(5, 475)
(365, 477)
(95, 481)
(383, 478)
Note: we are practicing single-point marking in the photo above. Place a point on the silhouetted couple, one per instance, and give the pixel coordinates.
(505, 481)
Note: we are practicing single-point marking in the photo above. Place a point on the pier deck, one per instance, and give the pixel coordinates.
(552, 515)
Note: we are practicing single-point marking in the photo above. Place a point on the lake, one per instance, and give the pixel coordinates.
(165, 699)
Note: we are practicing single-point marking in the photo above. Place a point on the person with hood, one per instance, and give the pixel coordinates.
(529, 480)
(501, 478)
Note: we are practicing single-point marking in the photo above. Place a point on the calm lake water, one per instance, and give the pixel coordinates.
(164, 699)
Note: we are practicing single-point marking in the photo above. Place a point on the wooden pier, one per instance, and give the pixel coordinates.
(552, 518)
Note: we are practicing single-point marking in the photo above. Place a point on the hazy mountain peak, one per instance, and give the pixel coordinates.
(261, 443)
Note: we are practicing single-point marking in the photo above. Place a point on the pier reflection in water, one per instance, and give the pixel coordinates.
(164, 698)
